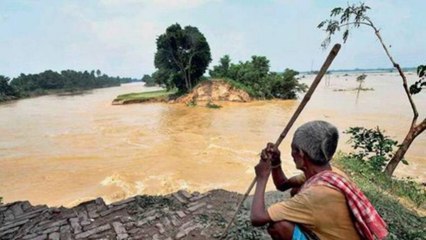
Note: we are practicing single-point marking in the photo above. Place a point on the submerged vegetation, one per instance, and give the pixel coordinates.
(55, 82)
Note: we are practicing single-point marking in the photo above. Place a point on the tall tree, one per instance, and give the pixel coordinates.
(185, 52)
(355, 16)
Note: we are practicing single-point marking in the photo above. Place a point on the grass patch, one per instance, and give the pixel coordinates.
(385, 194)
(144, 96)
(240, 86)
(213, 106)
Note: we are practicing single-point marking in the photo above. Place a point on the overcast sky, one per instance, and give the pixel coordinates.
(118, 36)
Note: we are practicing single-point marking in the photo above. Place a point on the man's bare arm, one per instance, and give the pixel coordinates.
(283, 183)
(259, 216)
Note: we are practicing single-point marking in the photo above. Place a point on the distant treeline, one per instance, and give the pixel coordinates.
(50, 81)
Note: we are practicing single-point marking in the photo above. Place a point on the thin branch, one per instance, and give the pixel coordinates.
(401, 73)
(354, 23)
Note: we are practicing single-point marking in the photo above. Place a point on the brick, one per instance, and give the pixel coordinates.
(193, 208)
(75, 225)
(51, 224)
(181, 214)
(8, 215)
(160, 228)
(93, 231)
(185, 193)
(39, 237)
(65, 233)
(180, 235)
(54, 236)
(32, 213)
(83, 218)
(198, 197)
(188, 229)
(26, 205)
(166, 222)
(8, 231)
(29, 236)
(179, 198)
(50, 230)
(16, 209)
(12, 225)
(111, 210)
(125, 201)
(175, 221)
(120, 230)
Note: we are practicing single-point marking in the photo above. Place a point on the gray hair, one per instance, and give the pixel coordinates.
(318, 139)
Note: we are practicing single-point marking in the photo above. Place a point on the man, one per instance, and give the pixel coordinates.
(326, 204)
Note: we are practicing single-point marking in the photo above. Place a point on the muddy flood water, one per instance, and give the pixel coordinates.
(62, 150)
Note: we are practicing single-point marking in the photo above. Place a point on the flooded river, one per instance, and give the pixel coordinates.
(62, 150)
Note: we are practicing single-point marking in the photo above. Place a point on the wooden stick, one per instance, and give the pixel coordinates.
(306, 98)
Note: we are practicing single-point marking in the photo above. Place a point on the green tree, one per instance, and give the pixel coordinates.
(183, 54)
(149, 81)
(255, 77)
(221, 70)
(355, 16)
(7, 92)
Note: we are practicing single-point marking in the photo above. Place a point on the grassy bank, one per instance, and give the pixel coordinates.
(400, 202)
(160, 95)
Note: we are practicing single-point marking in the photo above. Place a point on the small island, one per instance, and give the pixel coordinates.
(181, 65)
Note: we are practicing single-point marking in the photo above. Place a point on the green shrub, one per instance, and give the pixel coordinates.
(212, 105)
(382, 191)
(372, 147)
(192, 103)
(257, 80)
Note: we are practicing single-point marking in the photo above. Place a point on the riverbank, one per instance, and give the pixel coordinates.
(183, 215)
(153, 96)
(215, 90)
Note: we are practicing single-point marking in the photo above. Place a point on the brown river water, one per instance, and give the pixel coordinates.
(62, 150)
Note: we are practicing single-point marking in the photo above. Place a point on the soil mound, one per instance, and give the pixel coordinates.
(213, 91)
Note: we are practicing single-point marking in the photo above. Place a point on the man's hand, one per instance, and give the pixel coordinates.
(274, 155)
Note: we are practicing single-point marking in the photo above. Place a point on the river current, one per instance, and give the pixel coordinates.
(62, 150)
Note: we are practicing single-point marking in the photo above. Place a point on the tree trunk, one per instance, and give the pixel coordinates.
(186, 80)
(399, 155)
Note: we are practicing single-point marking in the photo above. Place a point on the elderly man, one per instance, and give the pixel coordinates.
(327, 205)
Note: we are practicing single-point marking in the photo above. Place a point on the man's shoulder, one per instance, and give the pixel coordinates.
(340, 172)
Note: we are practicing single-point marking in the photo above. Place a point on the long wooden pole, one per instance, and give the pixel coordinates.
(306, 98)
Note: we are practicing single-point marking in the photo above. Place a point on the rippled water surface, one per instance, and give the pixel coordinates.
(62, 150)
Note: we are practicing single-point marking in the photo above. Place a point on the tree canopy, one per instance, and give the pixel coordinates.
(7, 92)
(257, 79)
(149, 80)
(182, 57)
